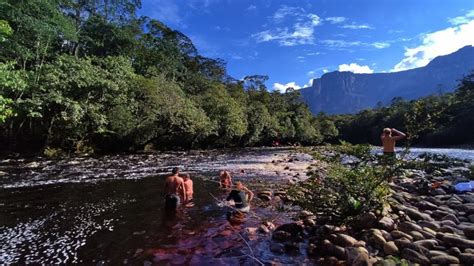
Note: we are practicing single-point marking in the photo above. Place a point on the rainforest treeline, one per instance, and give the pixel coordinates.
(92, 75)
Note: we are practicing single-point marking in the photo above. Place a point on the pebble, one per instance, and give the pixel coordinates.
(390, 248)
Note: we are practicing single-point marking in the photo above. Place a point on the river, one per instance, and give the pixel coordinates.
(463, 154)
(109, 209)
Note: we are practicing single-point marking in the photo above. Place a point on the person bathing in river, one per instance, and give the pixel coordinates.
(188, 186)
(174, 189)
(225, 180)
(239, 195)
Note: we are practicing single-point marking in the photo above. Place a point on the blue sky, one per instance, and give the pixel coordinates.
(295, 41)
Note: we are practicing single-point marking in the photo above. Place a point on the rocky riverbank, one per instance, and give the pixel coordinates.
(425, 221)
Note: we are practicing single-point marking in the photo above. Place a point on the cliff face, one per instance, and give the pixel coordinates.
(346, 92)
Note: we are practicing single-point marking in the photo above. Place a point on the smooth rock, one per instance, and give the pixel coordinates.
(390, 248)
(414, 256)
(277, 248)
(469, 232)
(450, 217)
(417, 235)
(407, 227)
(367, 220)
(417, 215)
(357, 256)
(403, 243)
(454, 251)
(399, 234)
(471, 218)
(457, 241)
(344, 240)
(292, 248)
(434, 253)
(387, 223)
(281, 236)
(444, 260)
(292, 228)
(427, 243)
(431, 225)
(467, 258)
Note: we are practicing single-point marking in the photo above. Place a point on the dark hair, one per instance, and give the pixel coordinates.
(175, 170)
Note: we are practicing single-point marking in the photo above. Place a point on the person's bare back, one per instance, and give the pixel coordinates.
(174, 189)
(188, 185)
(389, 137)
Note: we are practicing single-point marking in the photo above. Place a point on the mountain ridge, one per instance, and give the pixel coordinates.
(346, 92)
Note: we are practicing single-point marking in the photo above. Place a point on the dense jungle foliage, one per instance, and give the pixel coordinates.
(90, 75)
(436, 120)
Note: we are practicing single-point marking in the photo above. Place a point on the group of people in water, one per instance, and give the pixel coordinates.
(179, 187)
(179, 191)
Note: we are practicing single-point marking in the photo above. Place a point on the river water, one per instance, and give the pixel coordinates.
(110, 209)
(463, 154)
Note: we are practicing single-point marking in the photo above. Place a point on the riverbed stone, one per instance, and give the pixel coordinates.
(403, 243)
(450, 217)
(466, 258)
(426, 205)
(427, 243)
(471, 218)
(407, 227)
(390, 248)
(417, 235)
(281, 236)
(344, 240)
(417, 215)
(357, 256)
(456, 241)
(444, 260)
(433, 225)
(277, 248)
(292, 228)
(399, 234)
(414, 256)
(387, 223)
(454, 251)
(469, 232)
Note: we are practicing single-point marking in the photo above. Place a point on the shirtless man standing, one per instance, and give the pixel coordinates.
(188, 186)
(389, 137)
(174, 187)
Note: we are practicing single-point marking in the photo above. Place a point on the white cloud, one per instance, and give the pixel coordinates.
(251, 8)
(309, 84)
(435, 44)
(380, 45)
(302, 31)
(325, 71)
(354, 26)
(347, 44)
(335, 20)
(355, 68)
(462, 19)
(282, 87)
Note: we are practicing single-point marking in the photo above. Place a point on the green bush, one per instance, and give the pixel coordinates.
(344, 194)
